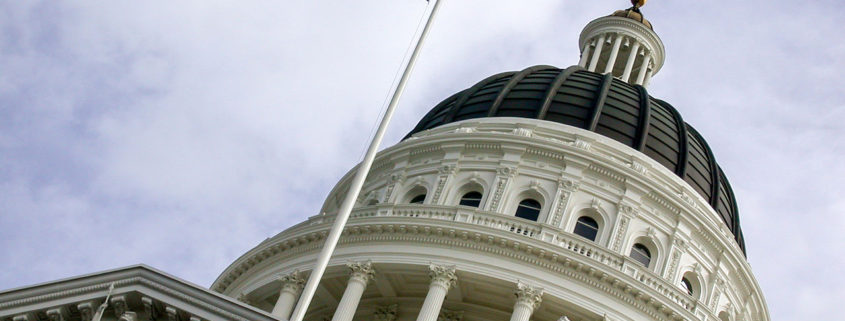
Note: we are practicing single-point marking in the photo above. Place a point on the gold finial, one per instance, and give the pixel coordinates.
(638, 3)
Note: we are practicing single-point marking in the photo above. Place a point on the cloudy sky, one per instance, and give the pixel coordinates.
(181, 134)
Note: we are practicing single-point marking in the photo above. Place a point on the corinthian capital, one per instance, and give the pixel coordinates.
(443, 275)
(292, 282)
(528, 295)
(361, 271)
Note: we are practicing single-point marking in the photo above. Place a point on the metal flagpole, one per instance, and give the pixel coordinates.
(358, 181)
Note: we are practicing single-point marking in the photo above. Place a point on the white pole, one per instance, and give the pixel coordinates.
(358, 181)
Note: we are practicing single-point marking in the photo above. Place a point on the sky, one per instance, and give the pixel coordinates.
(182, 134)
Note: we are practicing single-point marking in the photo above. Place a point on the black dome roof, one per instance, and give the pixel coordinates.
(607, 106)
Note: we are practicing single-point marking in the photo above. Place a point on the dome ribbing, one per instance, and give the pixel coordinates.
(607, 106)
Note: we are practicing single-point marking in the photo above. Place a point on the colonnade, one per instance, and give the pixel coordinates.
(591, 56)
(443, 277)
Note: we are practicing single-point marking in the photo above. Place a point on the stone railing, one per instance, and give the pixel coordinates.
(546, 233)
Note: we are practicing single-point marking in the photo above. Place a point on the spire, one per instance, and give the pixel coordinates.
(623, 44)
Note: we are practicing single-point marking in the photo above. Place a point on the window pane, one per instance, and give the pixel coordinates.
(471, 199)
(587, 228)
(419, 199)
(641, 254)
(528, 209)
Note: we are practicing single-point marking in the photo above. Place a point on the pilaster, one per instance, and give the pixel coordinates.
(504, 176)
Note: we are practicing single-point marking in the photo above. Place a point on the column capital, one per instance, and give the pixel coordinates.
(361, 271)
(528, 295)
(292, 282)
(443, 275)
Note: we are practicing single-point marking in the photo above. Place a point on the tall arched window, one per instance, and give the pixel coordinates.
(587, 227)
(471, 199)
(419, 199)
(528, 209)
(641, 254)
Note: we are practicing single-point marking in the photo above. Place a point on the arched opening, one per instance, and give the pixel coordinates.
(372, 202)
(724, 316)
(472, 199)
(587, 227)
(416, 195)
(691, 284)
(528, 209)
(641, 253)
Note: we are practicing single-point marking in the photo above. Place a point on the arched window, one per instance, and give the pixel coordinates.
(587, 227)
(641, 254)
(471, 199)
(686, 285)
(372, 202)
(528, 209)
(419, 199)
(724, 316)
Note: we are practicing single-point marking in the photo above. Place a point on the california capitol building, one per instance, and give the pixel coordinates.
(542, 194)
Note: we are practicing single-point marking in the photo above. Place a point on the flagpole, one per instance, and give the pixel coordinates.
(358, 181)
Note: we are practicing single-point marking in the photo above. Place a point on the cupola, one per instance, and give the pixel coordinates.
(624, 45)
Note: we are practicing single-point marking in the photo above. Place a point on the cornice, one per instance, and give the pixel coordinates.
(578, 260)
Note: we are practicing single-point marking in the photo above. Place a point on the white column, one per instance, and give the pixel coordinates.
(528, 298)
(643, 69)
(442, 278)
(291, 285)
(648, 76)
(585, 54)
(596, 54)
(629, 65)
(614, 52)
(362, 272)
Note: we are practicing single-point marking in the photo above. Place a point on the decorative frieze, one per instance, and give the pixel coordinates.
(520, 131)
